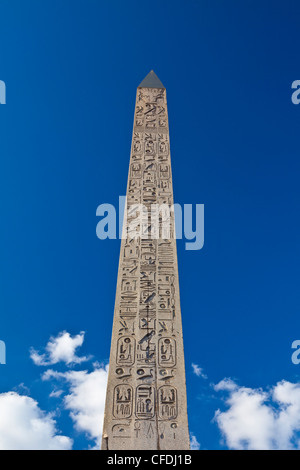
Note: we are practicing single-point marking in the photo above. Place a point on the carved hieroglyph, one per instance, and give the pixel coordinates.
(146, 393)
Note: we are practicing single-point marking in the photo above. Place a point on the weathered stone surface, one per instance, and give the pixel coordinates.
(146, 393)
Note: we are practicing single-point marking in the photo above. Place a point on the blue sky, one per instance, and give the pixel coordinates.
(71, 69)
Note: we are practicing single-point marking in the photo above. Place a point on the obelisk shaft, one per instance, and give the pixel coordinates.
(146, 392)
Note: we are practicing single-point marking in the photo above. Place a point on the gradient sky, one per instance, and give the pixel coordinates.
(71, 68)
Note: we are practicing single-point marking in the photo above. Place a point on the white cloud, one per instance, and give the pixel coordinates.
(85, 399)
(193, 442)
(198, 371)
(56, 393)
(61, 348)
(226, 384)
(257, 419)
(24, 426)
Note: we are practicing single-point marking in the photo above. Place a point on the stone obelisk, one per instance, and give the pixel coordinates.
(146, 392)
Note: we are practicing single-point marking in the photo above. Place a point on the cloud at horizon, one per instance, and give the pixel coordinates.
(247, 418)
(260, 420)
(24, 426)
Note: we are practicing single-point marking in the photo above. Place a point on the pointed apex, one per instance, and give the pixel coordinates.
(151, 81)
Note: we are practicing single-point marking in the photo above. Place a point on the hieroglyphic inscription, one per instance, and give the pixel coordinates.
(123, 397)
(167, 402)
(146, 365)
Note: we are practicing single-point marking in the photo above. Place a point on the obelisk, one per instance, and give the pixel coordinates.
(146, 393)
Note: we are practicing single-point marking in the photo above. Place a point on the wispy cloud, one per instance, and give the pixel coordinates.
(193, 442)
(198, 371)
(226, 384)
